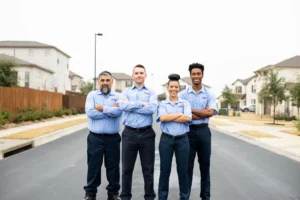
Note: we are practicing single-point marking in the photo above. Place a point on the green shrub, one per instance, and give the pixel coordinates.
(5, 114)
(3, 120)
(223, 111)
(234, 113)
(297, 123)
(74, 111)
(285, 117)
(238, 114)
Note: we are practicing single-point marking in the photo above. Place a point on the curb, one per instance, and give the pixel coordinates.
(45, 138)
(57, 134)
(254, 141)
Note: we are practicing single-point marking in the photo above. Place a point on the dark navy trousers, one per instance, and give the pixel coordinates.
(136, 141)
(200, 143)
(167, 147)
(101, 146)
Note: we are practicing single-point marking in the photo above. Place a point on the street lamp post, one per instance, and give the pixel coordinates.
(96, 34)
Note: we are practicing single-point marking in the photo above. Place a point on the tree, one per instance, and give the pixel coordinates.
(86, 88)
(295, 94)
(273, 89)
(228, 96)
(8, 75)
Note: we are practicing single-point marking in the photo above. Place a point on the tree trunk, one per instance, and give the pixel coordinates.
(274, 114)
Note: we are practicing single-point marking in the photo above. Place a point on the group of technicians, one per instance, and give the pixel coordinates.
(183, 118)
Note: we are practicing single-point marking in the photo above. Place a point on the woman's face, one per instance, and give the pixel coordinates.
(173, 88)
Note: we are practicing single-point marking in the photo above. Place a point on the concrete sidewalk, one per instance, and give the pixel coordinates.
(25, 137)
(267, 136)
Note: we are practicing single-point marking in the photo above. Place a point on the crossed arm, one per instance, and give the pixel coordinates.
(176, 117)
(202, 114)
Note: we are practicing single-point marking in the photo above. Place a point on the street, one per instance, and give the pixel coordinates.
(239, 171)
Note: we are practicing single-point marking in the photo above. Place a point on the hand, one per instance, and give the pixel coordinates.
(116, 105)
(98, 107)
(124, 99)
(207, 107)
(144, 103)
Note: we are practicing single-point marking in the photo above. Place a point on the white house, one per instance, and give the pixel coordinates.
(75, 81)
(288, 69)
(31, 75)
(184, 83)
(44, 55)
(245, 90)
(121, 81)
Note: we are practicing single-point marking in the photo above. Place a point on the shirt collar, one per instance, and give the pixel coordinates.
(144, 87)
(179, 100)
(191, 90)
(110, 94)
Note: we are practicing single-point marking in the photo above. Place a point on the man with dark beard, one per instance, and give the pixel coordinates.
(103, 139)
(203, 104)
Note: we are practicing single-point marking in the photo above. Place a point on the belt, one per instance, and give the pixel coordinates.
(198, 125)
(104, 134)
(139, 129)
(174, 137)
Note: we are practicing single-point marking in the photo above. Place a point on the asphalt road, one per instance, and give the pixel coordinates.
(239, 171)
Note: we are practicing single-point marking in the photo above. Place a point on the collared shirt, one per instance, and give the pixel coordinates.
(200, 101)
(135, 114)
(107, 121)
(167, 107)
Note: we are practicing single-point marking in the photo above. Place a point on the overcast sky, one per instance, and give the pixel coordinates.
(231, 38)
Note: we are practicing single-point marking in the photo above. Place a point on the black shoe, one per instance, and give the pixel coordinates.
(113, 197)
(87, 197)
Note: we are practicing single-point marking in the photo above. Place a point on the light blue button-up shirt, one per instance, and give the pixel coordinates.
(136, 115)
(200, 101)
(167, 107)
(107, 121)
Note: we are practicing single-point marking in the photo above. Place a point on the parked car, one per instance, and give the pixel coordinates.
(248, 108)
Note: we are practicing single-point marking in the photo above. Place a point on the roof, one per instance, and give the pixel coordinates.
(290, 62)
(188, 81)
(121, 76)
(244, 81)
(28, 44)
(24, 63)
(72, 74)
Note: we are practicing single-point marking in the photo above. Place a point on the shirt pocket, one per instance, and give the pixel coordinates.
(144, 97)
(180, 108)
(111, 101)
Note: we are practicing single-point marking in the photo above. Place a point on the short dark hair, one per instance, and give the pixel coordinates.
(105, 73)
(196, 65)
(173, 77)
(139, 66)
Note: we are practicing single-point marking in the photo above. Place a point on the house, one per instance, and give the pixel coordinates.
(245, 89)
(289, 69)
(121, 81)
(76, 82)
(184, 83)
(43, 55)
(31, 75)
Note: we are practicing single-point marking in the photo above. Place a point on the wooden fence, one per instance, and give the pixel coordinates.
(70, 101)
(17, 98)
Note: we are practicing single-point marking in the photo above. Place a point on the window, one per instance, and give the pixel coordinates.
(128, 83)
(253, 88)
(57, 61)
(30, 52)
(245, 103)
(27, 78)
(47, 52)
(67, 66)
(73, 88)
(252, 101)
(238, 89)
(182, 87)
